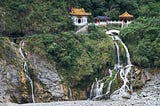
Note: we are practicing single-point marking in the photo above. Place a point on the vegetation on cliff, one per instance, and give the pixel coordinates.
(76, 55)
(143, 36)
(80, 56)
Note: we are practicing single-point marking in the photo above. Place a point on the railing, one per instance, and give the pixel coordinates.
(122, 23)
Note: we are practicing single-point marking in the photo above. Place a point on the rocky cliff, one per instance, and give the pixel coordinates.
(14, 86)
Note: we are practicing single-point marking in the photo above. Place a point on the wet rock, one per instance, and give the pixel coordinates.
(143, 78)
(126, 95)
(138, 84)
(148, 76)
(144, 94)
(137, 71)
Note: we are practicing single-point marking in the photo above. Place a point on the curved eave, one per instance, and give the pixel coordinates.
(128, 16)
(83, 14)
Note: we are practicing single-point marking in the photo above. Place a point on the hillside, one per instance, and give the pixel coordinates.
(39, 16)
(63, 65)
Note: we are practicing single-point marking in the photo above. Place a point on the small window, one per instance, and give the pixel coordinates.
(79, 20)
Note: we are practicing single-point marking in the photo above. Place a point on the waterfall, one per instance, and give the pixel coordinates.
(91, 92)
(109, 87)
(70, 94)
(118, 55)
(25, 66)
(30, 80)
(99, 88)
(20, 50)
(126, 49)
(123, 71)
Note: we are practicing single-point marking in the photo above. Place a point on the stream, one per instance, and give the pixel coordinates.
(26, 69)
(97, 89)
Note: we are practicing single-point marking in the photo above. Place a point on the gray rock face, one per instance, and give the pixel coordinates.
(10, 82)
(48, 76)
(15, 87)
(148, 76)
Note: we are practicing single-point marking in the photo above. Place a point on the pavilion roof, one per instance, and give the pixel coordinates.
(79, 12)
(102, 17)
(126, 15)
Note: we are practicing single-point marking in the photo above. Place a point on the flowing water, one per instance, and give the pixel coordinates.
(109, 87)
(124, 71)
(91, 92)
(25, 66)
(118, 68)
(118, 53)
(70, 94)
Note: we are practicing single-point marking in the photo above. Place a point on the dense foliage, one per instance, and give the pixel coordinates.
(33, 16)
(83, 55)
(52, 16)
(143, 36)
(76, 55)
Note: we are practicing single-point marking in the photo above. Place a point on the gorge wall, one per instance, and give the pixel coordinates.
(49, 85)
(15, 87)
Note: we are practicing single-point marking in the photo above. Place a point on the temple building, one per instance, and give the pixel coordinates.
(79, 16)
(101, 19)
(126, 18)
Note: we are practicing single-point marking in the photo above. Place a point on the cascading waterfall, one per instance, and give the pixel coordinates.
(99, 88)
(123, 71)
(109, 87)
(110, 83)
(26, 70)
(126, 49)
(96, 89)
(118, 55)
(70, 94)
(91, 92)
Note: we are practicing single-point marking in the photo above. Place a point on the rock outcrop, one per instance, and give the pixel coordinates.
(14, 86)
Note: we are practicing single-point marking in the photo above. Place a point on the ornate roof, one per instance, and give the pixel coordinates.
(102, 17)
(79, 12)
(126, 15)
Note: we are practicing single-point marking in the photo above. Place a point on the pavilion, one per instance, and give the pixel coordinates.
(126, 18)
(79, 16)
(100, 19)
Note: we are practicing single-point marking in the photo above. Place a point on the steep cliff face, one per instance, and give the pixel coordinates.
(10, 66)
(47, 84)
(47, 80)
(14, 86)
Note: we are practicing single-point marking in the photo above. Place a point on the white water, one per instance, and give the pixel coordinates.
(91, 92)
(126, 49)
(99, 88)
(124, 71)
(109, 87)
(20, 50)
(30, 80)
(70, 94)
(26, 70)
(118, 54)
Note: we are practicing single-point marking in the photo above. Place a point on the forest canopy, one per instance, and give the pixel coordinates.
(50, 23)
(27, 17)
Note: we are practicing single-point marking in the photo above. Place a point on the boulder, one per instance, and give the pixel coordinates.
(148, 76)
(126, 95)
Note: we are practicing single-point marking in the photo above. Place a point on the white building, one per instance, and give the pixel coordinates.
(79, 16)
